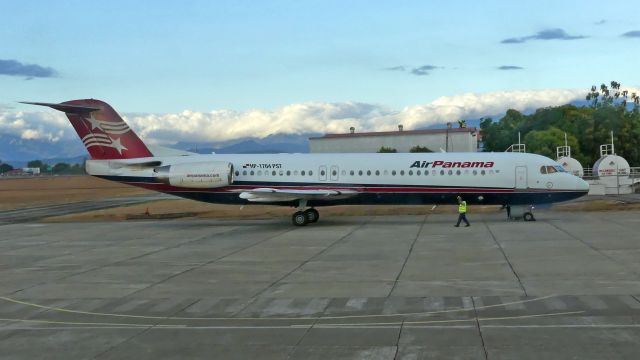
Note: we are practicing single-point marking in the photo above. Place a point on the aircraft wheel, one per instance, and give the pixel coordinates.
(299, 218)
(312, 215)
(528, 217)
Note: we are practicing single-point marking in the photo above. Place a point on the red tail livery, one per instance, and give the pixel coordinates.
(102, 130)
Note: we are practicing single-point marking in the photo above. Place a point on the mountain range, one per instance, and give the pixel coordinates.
(17, 152)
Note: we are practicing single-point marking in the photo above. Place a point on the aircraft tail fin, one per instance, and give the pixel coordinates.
(101, 129)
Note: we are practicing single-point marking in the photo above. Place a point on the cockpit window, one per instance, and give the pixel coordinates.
(550, 169)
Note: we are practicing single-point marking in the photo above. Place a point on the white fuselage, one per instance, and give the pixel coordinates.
(502, 178)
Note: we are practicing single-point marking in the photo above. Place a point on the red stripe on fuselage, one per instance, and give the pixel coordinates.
(363, 189)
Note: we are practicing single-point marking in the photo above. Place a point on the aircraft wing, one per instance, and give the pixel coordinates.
(278, 195)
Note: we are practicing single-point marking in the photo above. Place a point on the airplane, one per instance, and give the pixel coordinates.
(307, 181)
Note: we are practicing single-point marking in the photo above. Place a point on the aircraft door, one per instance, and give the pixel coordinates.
(334, 173)
(521, 177)
(322, 173)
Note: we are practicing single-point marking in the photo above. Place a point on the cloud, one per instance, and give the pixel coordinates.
(424, 70)
(510, 67)
(632, 34)
(40, 125)
(312, 117)
(16, 68)
(396, 68)
(548, 34)
(600, 22)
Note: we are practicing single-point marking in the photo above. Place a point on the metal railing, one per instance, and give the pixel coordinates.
(634, 173)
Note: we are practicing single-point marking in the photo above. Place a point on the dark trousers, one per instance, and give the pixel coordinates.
(462, 217)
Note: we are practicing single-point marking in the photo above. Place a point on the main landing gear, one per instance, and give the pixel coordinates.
(304, 217)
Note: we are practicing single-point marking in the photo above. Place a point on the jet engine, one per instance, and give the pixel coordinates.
(196, 175)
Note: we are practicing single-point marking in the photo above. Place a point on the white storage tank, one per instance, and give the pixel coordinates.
(611, 165)
(571, 165)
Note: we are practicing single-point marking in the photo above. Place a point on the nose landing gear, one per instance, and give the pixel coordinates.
(523, 212)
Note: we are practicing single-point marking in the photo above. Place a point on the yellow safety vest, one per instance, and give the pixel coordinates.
(462, 207)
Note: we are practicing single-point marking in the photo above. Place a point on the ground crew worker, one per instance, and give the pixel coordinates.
(462, 212)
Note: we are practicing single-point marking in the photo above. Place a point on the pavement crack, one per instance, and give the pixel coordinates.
(406, 259)
(595, 249)
(256, 296)
(395, 356)
(504, 254)
(212, 261)
(475, 312)
(122, 261)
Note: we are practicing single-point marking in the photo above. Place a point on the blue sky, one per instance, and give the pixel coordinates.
(168, 56)
(209, 71)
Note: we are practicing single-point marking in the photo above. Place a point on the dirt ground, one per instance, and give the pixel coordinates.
(181, 208)
(29, 192)
(16, 193)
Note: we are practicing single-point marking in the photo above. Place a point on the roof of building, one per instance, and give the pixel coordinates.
(396, 133)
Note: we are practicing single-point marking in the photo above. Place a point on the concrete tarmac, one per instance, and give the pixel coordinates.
(403, 287)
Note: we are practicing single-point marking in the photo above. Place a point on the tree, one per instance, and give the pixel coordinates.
(387, 150)
(611, 96)
(34, 164)
(60, 168)
(5, 167)
(545, 142)
(420, 149)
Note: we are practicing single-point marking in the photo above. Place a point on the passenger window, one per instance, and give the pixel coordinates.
(251, 173)
(237, 172)
(458, 172)
(273, 173)
(482, 172)
(352, 172)
(302, 172)
(360, 172)
(368, 172)
(402, 172)
(393, 172)
(259, 172)
(410, 172)
(310, 173)
(322, 173)
(475, 172)
(426, 173)
(441, 172)
(377, 172)
(288, 172)
(244, 173)
(418, 172)
(334, 173)
(450, 172)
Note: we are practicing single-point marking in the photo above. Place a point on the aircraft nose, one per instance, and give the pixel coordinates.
(582, 185)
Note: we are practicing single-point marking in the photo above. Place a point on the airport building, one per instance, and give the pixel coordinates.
(448, 139)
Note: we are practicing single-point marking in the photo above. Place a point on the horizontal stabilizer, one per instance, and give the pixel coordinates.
(74, 109)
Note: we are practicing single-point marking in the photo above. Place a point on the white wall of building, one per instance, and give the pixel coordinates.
(402, 141)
